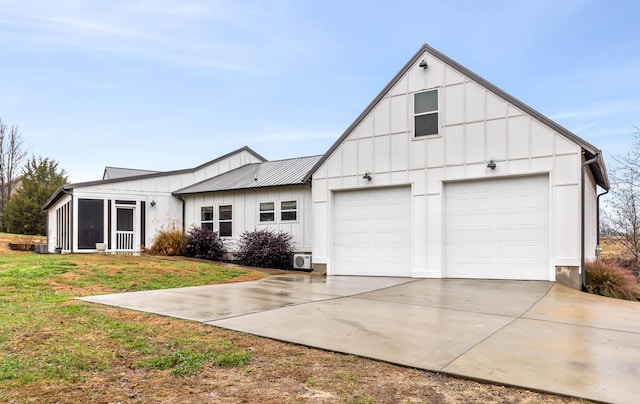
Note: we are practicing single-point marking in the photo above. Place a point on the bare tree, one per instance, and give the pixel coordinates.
(623, 205)
(12, 154)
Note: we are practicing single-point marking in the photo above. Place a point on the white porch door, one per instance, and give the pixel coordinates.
(125, 228)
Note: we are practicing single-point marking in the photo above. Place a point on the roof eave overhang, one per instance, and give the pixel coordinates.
(598, 168)
(57, 195)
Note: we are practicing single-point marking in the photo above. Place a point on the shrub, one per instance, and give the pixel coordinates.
(204, 243)
(266, 249)
(611, 280)
(623, 263)
(168, 242)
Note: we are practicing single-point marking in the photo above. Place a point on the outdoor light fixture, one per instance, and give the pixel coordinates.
(366, 176)
(153, 203)
(491, 165)
(423, 64)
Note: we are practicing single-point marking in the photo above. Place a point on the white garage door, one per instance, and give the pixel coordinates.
(372, 232)
(497, 229)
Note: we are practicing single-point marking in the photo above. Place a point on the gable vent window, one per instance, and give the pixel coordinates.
(206, 217)
(267, 212)
(425, 109)
(225, 216)
(288, 210)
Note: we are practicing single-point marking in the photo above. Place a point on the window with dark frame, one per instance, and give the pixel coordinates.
(225, 220)
(425, 110)
(288, 211)
(267, 211)
(206, 217)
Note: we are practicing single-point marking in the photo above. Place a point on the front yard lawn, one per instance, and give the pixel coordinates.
(46, 337)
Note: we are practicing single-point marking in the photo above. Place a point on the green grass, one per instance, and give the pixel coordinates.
(345, 376)
(186, 361)
(47, 337)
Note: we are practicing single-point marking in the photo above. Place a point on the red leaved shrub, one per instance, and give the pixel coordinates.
(204, 243)
(611, 280)
(266, 249)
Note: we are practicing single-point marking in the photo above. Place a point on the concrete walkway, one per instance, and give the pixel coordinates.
(537, 335)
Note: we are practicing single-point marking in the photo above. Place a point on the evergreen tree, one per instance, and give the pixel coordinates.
(40, 179)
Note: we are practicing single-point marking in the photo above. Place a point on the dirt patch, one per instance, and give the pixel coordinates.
(5, 239)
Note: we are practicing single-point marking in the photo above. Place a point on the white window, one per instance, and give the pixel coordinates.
(206, 217)
(267, 211)
(288, 211)
(225, 217)
(425, 110)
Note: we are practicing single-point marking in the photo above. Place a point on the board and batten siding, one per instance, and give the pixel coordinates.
(475, 126)
(245, 205)
(166, 213)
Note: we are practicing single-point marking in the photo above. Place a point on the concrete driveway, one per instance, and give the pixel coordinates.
(537, 335)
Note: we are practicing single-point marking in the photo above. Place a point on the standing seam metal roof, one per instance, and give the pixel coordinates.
(256, 175)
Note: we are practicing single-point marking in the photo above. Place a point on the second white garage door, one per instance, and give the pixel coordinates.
(372, 232)
(497, 229)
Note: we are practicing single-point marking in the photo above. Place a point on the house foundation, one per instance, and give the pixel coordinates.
(569, 276)
(319, 269)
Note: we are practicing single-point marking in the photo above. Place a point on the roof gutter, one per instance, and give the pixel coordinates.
(598, 249)
(583, 275)
(184, 212)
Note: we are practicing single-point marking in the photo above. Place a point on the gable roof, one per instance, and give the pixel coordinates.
(256, 175)
(120, 172)
(65, 188)
(590, 152)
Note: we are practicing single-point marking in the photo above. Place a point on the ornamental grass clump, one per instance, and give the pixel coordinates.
(611, 280)
(266, 249)
(168, 242)
(204, 244)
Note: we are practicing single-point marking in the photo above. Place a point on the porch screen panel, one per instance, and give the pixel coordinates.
(63, 227)
(143, 222)
(124, 219)
(109, 224)
(90, 223)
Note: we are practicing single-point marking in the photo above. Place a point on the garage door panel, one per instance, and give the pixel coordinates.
(531, 235)
(507, 202)
(482, 253)
(482, 219)
(381, 244)
(503, 231)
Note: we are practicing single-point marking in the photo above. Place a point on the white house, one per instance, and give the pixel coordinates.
(126, 209)
(443, 175)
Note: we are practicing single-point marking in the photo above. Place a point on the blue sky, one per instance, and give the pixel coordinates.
(169, 84)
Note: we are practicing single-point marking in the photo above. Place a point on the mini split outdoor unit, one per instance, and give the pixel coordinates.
(302, 261)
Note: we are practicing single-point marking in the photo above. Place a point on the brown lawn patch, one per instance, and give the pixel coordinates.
(611, 248)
